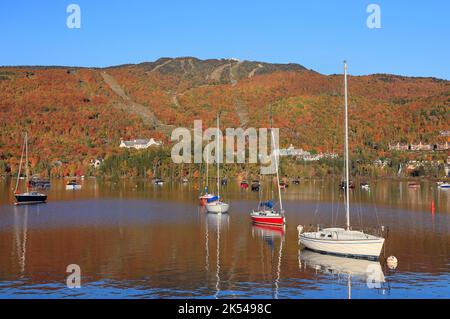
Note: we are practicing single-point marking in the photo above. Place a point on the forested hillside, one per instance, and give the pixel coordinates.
(74, 115)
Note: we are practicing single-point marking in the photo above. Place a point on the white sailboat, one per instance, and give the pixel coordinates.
(343, 241)
(217, 207)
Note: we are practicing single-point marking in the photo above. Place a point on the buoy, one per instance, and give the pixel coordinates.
(392, 262)
(432, 207)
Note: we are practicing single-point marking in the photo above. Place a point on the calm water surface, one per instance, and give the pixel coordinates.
(136, 240)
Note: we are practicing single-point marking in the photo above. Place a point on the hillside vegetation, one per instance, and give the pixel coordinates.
(74, 115)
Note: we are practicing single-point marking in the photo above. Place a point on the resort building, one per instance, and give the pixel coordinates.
(140, 144)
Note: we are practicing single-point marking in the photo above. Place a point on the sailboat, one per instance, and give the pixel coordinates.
(266, 214)
(215, 205)
(340, 241)
(29, 197)
(206, 196)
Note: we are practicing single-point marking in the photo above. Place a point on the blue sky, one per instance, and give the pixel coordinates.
(414, 38)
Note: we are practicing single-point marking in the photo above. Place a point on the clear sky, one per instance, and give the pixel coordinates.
(414, 38)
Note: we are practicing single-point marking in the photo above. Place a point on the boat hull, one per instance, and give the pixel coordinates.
(30, 199)
(362, 248)
(217, 208)
(268, 220)
(73, 187)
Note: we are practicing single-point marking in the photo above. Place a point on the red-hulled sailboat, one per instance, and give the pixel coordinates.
(266, 214)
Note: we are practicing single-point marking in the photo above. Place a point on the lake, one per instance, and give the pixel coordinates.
(133, 239)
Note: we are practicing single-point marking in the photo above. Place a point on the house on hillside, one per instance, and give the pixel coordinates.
(398, 147)
(140, 144)
(442, 147)
(421, 147)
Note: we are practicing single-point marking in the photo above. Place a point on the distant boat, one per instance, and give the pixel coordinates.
(255, 186)
(296, 181)
(343, 241)
(244, 184)
(185, 180)
(73, 185)
(365, 186)
(36, 182)
(206, 197)
(283, 185)
(443, 185)
(414, 185)
(343, 185)
(266, 214)
(224, 181)
(158, 181)
(217, 206)
(29, 197)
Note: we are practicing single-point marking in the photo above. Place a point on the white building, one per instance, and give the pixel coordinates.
(140, 144)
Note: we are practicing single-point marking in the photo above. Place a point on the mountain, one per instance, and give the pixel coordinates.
(76, 114)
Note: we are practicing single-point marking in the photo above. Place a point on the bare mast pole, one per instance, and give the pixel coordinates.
(217, 152)
(347, 188)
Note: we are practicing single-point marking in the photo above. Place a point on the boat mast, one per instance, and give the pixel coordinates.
(347, 188)
(27, 170)
(217, 152)
(278, 177)
(207, 165)
(20, 166)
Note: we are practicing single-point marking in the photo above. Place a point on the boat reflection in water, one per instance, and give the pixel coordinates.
(270, 234)
(219, 223)
(362, 270)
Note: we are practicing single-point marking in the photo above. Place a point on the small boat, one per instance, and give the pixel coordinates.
(343, 241)
(73, 185)
(283, 185)
(38, 183)
(206, 196)
(215, 205)
(29, 197)
(365, 186)
(184, 180)
(343, 185)
(255, 186)
(414, 185)
(224, 181)
(443, 185)
(296, 182)
(266, 214)
(244, 184)
(158, 181)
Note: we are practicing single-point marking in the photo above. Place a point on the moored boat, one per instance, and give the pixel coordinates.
(73, 185)
(266, 214)
(414, 185)
(28, 197)
(343, 241)
(255, 186)
(244, 184)
(215, 205)
(443, 185)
